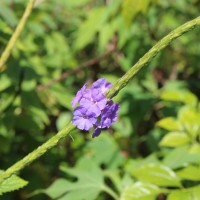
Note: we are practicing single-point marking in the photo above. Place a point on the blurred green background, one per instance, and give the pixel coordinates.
(153, 147)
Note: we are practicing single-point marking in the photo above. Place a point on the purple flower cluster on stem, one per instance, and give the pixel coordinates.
(94, 110)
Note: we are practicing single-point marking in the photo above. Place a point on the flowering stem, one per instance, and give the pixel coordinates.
(5, 55)
(111, 93)
(37, 153)
(123, 81)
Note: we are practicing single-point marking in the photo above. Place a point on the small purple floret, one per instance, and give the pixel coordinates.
(83, 119)
(79, 95)
(97, 132)
(94, 101)
(109, 114)
(102, 85)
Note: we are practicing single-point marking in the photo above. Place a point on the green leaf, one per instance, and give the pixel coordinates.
(180, 195)
(131, 8)
(112, 159)
(58, 188)
(105, 35)
(5, 82)
(63, 119)
(190, 173)
(174, 139)
(192, 193)
(180, 157)
(89, 28)
(90, 182)
(189, 116)
(8, 15)
(157, 174)
(11, 184)
(195, 148)
(62, 95)
(77, 3)
(179, 96)
(169, 123)
(140, 191)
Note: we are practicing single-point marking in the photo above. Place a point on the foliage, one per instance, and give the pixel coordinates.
(11, 184)
(153, 151)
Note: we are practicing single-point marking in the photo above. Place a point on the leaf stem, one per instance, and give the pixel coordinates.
(112, 92)
(110, 192)
(6, 53)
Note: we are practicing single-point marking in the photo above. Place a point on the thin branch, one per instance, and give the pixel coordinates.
(17, 167)
(76, 69)
(6, 53)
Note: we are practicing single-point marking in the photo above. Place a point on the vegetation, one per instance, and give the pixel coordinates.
(152, 151)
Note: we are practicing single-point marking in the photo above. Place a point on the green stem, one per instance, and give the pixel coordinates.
(110, 192)
(5, 55)
(123, 81)
(111, 93)
(37, 152)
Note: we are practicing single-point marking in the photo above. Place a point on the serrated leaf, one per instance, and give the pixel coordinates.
(140, 191)
(175, 139)
(11, 184)
(157, 174)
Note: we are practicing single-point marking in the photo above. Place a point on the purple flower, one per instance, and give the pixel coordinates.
(102, 85)
(94, 109)
(94, 101)
(109, 115)
(97, 132)
(79, 95)
(83, 119)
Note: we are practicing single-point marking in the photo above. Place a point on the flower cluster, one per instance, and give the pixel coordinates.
(94, 109)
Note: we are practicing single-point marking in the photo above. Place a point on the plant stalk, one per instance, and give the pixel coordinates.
(37, 152)
(6, 53)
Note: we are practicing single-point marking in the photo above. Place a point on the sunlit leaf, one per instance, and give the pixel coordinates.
(140, 191)
(190, 173)
(192, 193)
(174, 139)
(157, 174)
(181, 157)
(169, 123)
(179, 96)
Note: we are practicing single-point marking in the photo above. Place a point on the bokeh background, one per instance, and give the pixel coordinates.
(155, 143)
